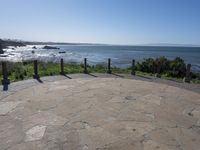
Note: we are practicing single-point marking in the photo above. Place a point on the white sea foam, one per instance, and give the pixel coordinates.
(120, 55)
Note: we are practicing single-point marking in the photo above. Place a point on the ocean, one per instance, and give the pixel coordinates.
(121, 56)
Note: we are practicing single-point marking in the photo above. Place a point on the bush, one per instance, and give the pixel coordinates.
(177, 67)
(162, 65)
(19, 72)
(148, 65)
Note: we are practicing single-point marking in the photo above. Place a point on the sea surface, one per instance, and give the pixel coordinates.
(121, 56)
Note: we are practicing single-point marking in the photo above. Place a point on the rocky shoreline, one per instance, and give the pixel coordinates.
(6, 43)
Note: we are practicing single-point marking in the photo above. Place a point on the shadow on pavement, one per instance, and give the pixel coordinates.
(39, 80)
(67, 76)
(117, 75)
(145, 77)
(92, 75)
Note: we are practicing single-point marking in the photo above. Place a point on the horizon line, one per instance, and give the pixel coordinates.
(108, 44)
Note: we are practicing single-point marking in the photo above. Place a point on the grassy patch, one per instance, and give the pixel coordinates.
(195, 81)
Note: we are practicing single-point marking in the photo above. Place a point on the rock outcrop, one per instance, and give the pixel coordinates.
(1, 49)
(6, 43)
(50, 47)
(34, 47)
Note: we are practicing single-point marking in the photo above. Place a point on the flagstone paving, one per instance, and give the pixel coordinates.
(100, 114)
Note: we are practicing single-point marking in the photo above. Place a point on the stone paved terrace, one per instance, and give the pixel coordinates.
(100, 112)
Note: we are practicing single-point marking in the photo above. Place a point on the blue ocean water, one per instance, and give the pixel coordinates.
(97, 54)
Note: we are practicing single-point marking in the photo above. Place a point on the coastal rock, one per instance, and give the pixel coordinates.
(3, 55)
(34, 47)
(50, 47)
(8, 42)
(1, 49)
(62, 52)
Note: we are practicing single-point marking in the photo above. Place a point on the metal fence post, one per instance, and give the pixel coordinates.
(62, 67)
(187, 77)
(5, 80)
(85, 66)
(36, 75)
(109, 66)
(133, 67)
(158, 69)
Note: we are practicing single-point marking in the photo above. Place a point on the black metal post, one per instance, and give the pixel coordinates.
(5, 80)
(188, 70)
(85, 66)
(133, 67)
(109, 66)
(36, 75)
(158, 69)
(62, 67)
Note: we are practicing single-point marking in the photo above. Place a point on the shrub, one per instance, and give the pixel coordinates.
(177, 67)
(148, 65)
(162, 65)
(19, 72)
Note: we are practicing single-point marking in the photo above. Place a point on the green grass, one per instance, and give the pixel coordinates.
(140, 73)
(195, 81)
(22, 71)
(167, 77)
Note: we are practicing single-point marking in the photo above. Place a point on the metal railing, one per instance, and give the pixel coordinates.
(6, 81)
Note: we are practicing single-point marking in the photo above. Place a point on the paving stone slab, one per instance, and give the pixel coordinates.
(104, 113)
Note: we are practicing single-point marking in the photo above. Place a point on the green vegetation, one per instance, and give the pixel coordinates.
(168, 69)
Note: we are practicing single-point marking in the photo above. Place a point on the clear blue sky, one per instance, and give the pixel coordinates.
(102, 21)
